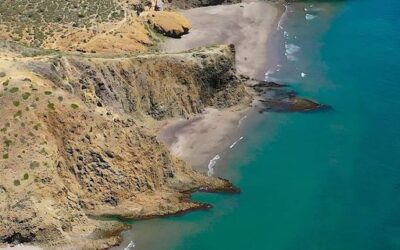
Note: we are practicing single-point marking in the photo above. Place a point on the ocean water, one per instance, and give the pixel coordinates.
(312, 181)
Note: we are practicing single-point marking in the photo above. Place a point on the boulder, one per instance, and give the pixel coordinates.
(168, 23)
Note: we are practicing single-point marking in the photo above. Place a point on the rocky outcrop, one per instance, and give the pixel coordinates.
(159, 85)
(277, 98)
(79, 141)
(168, 23)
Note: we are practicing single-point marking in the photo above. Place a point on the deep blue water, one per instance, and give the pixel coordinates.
(328, 180)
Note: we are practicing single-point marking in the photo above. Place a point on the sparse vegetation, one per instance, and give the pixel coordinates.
(26, 95)
(47, 92)
(74, 106)
(26, 176)
(37, 126)
(51, 106)
(7, 143)
(17, 183)
(14, 90)
(34, 164)
(5, 156)
(16, 103)
(30, 21)
(18, 114)
(43, 151)
(2, 74)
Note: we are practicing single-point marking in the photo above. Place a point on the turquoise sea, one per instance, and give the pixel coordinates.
(312, 181)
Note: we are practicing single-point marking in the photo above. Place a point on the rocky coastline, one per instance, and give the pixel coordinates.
(80, 132)
(275, 97)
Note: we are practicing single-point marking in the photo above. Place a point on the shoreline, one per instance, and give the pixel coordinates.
(246, 25)
(202, 140)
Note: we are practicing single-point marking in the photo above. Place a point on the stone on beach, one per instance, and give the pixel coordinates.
(168, 23)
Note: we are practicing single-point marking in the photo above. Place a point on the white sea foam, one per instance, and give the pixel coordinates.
(286, 34)
(310, 17)
(282, 19)
(233, 144)
(211, 165)
(268, 77)
(303, 74)
(271, 71)
(130, 246)
(241, 120)
(291, 49)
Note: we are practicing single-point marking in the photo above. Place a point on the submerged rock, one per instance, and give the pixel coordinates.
(291, 104)
(275, 97)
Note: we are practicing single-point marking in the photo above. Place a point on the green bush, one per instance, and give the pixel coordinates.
(17, 183)
(51, 106)
(14, 89)
(37, 126)
(7, 143)
(18, 114)
(26, 176)
(34, 164)
(74, 106)
(26, 95)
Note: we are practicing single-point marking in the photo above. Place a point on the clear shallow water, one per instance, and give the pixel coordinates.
(326, 180)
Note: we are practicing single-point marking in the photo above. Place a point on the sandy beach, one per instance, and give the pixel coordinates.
(205, 137)
(246, 25)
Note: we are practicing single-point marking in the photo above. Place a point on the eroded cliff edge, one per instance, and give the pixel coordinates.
(78, 140)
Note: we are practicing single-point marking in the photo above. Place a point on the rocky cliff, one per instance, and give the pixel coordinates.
(78, 140)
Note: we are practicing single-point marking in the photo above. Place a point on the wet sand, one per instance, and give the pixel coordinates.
(202, 137)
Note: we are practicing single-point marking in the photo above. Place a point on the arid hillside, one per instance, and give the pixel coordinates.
(78, 140)
(93, 26)
(83, 92)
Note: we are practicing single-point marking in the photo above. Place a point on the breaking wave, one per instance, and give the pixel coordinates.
(130, 246)
(310, 17)
(241, 120)
(291, 49)
(233, 144)
(211, 165)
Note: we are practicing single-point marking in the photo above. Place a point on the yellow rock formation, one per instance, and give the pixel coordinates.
(168, 23)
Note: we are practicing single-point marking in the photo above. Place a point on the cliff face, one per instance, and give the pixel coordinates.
(157, 85)
(78, 140)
